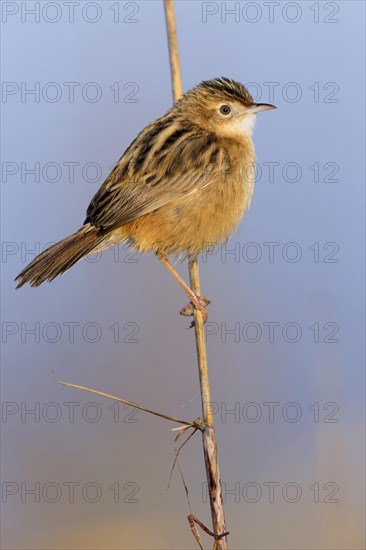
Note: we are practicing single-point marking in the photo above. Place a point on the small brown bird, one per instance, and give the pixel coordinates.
(182, 186)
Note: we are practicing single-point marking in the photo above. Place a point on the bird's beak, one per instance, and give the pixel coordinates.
(259, 107)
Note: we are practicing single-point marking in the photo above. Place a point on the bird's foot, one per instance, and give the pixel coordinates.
(199, 303)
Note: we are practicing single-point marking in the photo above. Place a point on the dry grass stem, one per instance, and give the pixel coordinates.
(186, 423)
(208, 433)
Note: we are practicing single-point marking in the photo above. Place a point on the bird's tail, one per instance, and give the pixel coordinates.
(59, 257)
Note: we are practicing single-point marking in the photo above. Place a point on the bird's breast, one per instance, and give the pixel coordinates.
(205, 217)
(220, 207)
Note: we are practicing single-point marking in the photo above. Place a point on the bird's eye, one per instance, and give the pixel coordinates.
(225, 110)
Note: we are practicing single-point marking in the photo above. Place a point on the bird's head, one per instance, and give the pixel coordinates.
(222, 106)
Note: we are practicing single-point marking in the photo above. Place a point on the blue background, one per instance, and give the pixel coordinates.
(313, 52)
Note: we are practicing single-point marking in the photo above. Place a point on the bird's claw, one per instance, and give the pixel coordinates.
(198, 303)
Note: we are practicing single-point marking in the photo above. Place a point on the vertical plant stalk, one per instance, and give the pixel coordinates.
(208, 433)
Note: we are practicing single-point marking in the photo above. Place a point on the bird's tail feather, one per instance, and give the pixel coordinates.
(59, 257)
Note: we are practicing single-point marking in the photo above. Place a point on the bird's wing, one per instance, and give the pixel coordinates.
(157, 168)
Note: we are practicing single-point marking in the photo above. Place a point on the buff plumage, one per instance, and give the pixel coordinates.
(182, 185)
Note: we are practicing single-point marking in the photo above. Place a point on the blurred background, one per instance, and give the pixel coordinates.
(286, 326)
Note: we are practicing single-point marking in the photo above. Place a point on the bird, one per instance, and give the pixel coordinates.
(182, 186)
